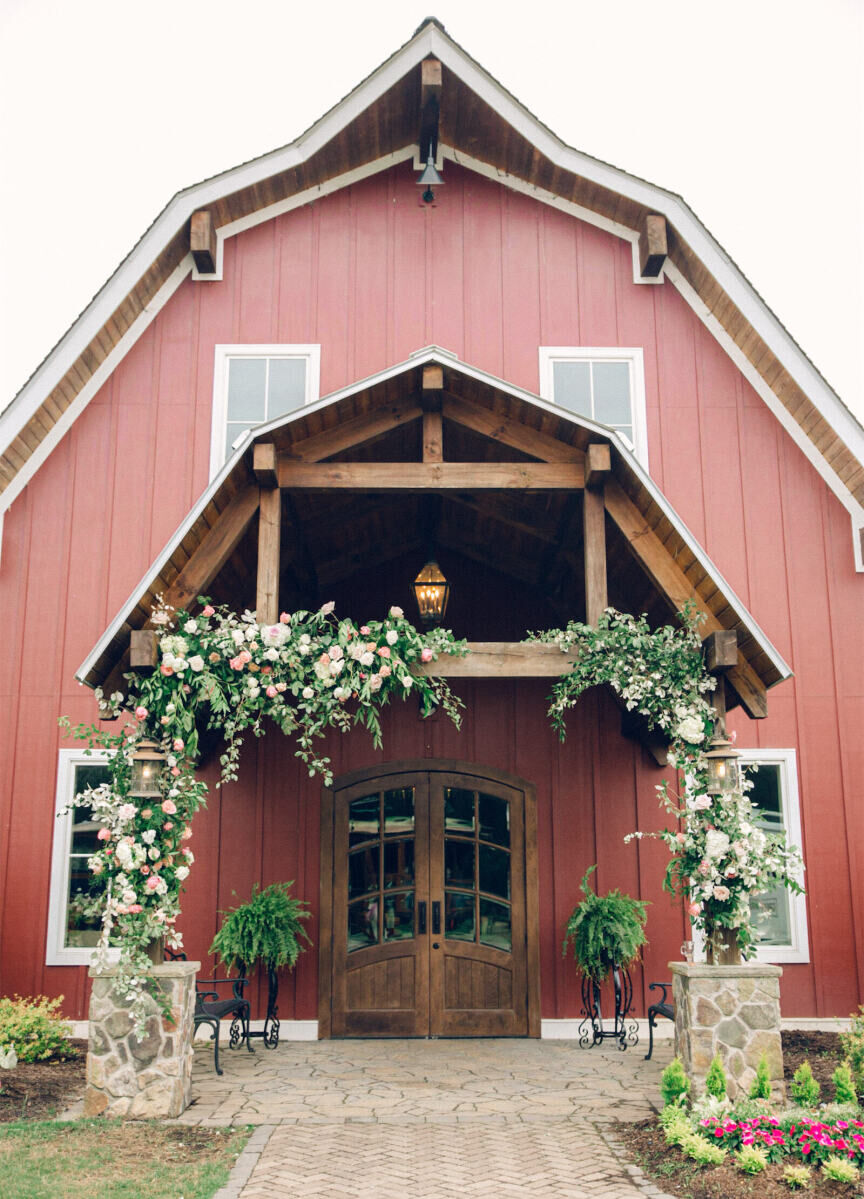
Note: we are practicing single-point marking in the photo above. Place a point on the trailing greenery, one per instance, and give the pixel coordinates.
(844, 1086)
(715, 1080)
(751, 1159)
(674, 1084)
(267, 929)
(804, 1088)
(797, 1178)
(605, 930)
(761, 1088)
(852, 1044)
(35, 1028)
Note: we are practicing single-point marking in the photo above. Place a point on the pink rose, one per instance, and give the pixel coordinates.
(236, 663)
(145, 869)
(164, 719)
(365, 630)
(141, 712)
(721, 893)
(209, 610)
(146, 813)
(680, 838)
(135, 908)
(384, 671)
(244, 655)
(152, 883)
(272, 692)
(693, 909)
(169, 807)
(166, 669)
(384, 651)
(426, 654)
(175, 770)
(103, 835)
(284, 618)
(167, 826)
(178, 743)
(186, 834)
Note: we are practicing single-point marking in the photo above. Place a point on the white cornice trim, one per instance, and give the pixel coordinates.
(446, 358)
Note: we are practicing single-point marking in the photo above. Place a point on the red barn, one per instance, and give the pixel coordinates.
(305, 373)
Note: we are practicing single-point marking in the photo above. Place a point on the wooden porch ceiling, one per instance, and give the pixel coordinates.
(492, 478)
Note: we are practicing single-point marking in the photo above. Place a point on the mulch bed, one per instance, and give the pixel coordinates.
(41, 1090)
(677, 1175)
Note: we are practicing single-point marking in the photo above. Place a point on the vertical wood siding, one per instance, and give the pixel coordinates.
(372, 275)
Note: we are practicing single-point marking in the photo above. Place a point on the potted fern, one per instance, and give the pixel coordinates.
(606, 933)
(267, 930)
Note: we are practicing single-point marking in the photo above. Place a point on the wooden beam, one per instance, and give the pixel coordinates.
(433, 437)
(436, 476)
(671, 580)
(355, 432)
(500, 659)
(430, 107)
(215, 549)
(269, 535)
(598, 464)
(202, 241)
(721, 650)
(509, 432)
(264, 464)
(652, 246)
(143, 650)
(594, 547)
(433, 377)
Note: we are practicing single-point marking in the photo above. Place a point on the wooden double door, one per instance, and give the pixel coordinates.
(432, 911)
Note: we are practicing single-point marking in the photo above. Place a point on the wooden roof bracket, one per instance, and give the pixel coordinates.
(653, 248)
(430, 109)
(202, 241)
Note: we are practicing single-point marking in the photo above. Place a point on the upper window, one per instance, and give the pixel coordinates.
(604, 385)
(72, 936)
(254, 384)
(780, 917)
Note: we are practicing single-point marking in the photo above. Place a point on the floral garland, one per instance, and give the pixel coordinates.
(307, 673)
(719, 857)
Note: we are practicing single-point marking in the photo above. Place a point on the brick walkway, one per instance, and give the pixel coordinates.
(430, 1119)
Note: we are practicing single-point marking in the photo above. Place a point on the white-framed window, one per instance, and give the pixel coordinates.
(253, 384)
(604, 384)
(781, 917)
(72, 936)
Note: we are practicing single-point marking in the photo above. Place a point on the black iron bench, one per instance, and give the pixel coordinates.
(662, 1008)
(210, 1009)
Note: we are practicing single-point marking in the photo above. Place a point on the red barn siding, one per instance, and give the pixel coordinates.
(372, 276)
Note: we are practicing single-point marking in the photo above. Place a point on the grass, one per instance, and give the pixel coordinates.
(113, 1159)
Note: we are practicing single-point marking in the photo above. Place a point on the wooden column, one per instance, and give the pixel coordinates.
(433, 424)
(269, 533)
(598, 465)
(721, 655)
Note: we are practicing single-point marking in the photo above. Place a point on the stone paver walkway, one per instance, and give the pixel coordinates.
(430, 1119)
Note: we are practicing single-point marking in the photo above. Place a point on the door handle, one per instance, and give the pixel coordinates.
(436, 917)
(421, 918)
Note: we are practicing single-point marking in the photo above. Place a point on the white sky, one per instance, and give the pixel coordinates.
(753, 110)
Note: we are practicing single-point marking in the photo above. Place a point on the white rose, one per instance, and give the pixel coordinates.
(238, 636)
(179, 665)
(691, 729)
(335, 652)
(153, 854)
(148, 836)
(702, 803)
(182, 872)
(308, 693)
(336, 667)
(251, 632)
(305, 639)
(327, 608)
(392, 637)
(124, 855)
(406, 681)
(161, 887)
(304, 648)
(254, 691)
(191, 626)
(367, 659)
(168, 660)
(197, 663)
(129, 896)
(272, 654)
(396, 613)
(375, 682)
(716, 843)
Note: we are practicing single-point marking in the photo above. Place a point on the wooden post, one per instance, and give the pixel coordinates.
(269, 534)
(721, 655)
(598, 465)
(143, 651)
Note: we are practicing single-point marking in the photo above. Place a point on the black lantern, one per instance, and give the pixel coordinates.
(432, 592)
(147, 762)
(721, 761)
(428, 179)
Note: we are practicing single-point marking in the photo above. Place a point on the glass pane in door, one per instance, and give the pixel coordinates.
(399, 916)
(399, 811)
(363, 871)
(364, 819)
(495, 871)
(494, 820)
(458, 916)
(459, 863)
(495, 925)
(459, 811)
(364, 920)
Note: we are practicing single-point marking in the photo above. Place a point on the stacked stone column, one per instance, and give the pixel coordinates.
(733, 1011)
(150, 1078)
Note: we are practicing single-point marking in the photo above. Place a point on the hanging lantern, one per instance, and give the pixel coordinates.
(147, 762)
(432, 592)
(721, 761)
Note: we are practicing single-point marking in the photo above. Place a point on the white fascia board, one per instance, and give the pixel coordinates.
(445, 358)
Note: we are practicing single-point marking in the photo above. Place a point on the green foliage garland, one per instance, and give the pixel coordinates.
(605, 929)
(266, 929)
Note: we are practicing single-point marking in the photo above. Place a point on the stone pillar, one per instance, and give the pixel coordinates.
(150, 1078)
(733, 1011)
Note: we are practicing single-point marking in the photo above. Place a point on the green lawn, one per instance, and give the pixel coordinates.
(115, 1160)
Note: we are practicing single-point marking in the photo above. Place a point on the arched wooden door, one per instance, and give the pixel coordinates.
(429, 920)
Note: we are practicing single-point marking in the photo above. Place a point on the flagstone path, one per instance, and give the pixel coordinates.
(430, 1119)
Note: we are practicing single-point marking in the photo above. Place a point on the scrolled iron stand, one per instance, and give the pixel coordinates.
(624, 1030)
(269, 1034)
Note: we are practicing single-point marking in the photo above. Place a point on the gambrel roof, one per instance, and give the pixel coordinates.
(372, 430)
(485, 129)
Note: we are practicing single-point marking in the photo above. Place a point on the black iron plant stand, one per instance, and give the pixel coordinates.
(624, 1029)
(270, 1032)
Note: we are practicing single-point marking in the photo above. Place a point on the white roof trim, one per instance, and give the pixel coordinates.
(446, 358)
(430, 39)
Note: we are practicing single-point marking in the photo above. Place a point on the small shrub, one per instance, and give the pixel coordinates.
(35, 1028)
(796, 1177)
(715, 1081)
(751, 1159)
(852, 1044)
(675, 1123)
(844, 1086)
(805, 1089)
(674, 1084)
(838, 1169)
(701, 1150)
(761, 1088)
